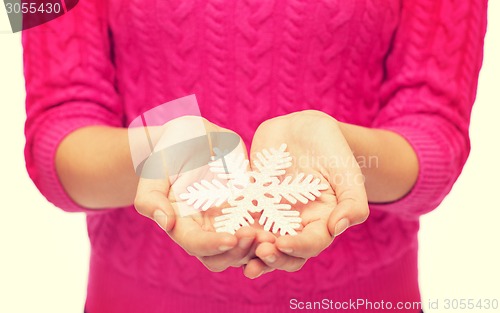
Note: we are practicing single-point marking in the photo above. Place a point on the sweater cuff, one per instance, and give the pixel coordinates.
(438, 168)
(42, 168)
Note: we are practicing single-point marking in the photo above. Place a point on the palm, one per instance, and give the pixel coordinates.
(171, 172)
(319, 149)
(301, 150)
(197, 219)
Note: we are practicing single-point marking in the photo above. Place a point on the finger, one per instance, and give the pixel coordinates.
(349, 211)
(151, 201)
(256, 268)
(236, 256)
(198, 242)
(313, 239)
(265, 236)
(352, 202)
(273, 258)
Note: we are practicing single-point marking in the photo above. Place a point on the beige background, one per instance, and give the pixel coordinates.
(44, 252)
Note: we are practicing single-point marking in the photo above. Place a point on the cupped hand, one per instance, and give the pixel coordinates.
(318, 147)
(158, 196)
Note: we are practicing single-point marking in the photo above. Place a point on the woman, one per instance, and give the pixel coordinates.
(394, 80)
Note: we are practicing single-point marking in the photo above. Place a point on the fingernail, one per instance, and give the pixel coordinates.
(270, 259)
(341, 226)
(160, 218)
(224, 248)
(286, 250)
(260, 274)
(245, 243)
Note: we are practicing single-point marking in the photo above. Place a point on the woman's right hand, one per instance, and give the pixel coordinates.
(157, 199)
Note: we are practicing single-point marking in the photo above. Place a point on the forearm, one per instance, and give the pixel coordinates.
(387, 160)
(95, 167)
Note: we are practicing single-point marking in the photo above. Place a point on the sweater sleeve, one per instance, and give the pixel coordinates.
(430, 86)
(69, 84)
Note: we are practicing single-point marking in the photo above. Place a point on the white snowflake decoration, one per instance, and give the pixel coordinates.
(258, 191)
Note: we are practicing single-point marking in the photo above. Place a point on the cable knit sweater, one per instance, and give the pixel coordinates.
(410, 66)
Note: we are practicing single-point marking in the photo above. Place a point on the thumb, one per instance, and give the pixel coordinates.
(348, 212)
(151, 201)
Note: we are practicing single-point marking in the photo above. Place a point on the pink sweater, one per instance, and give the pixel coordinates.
(408, 66)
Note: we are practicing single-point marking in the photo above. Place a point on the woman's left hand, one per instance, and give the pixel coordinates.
(318, 147)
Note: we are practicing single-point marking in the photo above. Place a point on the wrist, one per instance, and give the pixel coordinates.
(387, 160)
